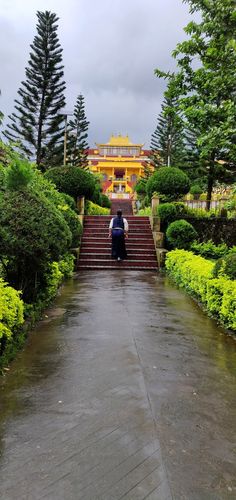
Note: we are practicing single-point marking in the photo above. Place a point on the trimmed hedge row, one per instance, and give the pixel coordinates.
(11, 312)
(194, 273)
(94, 209)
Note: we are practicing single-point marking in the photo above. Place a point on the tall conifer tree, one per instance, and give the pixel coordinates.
(167, 141)
(77, 135)
(36, 123)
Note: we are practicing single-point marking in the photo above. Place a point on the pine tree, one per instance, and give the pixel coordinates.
(36, 124)
(77, 136)
(167, 141)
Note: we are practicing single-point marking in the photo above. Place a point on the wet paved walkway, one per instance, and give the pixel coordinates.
(128, 391)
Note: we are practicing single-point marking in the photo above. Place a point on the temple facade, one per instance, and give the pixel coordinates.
(120, 164)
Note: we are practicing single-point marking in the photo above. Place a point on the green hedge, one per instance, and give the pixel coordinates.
(93, 209)
(194, 273)
(11, 312)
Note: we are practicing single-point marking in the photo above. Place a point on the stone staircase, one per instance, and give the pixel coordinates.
(124, 205)
(95, 252)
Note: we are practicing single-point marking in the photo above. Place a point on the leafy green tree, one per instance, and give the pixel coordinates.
(206, 87)
(167, 141)
(78, 136)
(36, 125)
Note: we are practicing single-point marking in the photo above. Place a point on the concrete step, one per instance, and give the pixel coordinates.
(96, 238)
(107, 250)
(107, 256)
(94, 224)
(98, 263)
(104, 230)
(109, 217)
(106, 242)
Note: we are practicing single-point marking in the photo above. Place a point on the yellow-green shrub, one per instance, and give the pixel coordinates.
(93, 209)
(221, 300)
(195, 274)
(11, 311)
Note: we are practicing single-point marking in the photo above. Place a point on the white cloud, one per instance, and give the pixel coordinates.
(111, 49)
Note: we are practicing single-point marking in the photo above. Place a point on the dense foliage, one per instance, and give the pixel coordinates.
(209, 250)
(36, 124)
(72, 180)
(105, 201)
(32, 232)
(195, 274)
(93, 209)
(169, 182)
(226, 266)
(167, 212)
(205, 87)
(11, 313)
(180, 234)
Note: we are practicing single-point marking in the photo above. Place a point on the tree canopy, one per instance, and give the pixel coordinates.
(205, 86)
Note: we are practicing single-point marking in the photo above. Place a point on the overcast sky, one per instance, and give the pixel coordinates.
(110, 51)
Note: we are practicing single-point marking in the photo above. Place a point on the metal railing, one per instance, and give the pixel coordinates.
(202, 204)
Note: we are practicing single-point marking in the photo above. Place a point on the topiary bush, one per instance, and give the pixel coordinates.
(181, 234)
(33, 232)
(196, 191)
(170, 183)
(167, 212)
(71, 180)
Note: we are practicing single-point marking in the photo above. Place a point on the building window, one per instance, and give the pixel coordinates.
(133, 178)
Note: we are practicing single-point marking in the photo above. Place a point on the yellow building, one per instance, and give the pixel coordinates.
(120, 163)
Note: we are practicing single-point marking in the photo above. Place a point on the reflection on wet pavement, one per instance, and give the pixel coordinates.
(125, 390)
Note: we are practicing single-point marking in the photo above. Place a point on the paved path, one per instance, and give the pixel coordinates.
(127, 391)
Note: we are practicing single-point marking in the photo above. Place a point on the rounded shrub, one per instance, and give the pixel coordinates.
(196, 190)
(72, 180)
(170, 183)
(181, 234)
(167, 212)
(33, 232)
